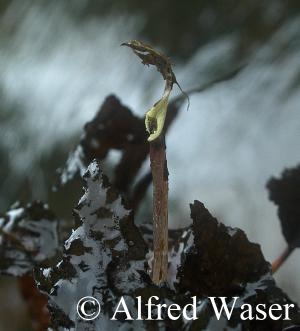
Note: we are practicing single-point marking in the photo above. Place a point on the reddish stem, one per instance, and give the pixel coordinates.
(160, 174)
(282, 258)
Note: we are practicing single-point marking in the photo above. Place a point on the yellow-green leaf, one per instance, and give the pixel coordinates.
(155, 117)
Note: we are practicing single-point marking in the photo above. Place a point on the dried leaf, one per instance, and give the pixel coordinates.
(215, 260)
(28, 238)
(226, 261)
(285, 193)
(150, 56)
(113, 128)
(264, 292)
(103, 257)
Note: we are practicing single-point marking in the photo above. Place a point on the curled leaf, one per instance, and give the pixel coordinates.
(155, 117)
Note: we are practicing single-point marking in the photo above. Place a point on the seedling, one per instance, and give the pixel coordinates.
(154, 122)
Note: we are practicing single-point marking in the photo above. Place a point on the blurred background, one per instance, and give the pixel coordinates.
(59, 59)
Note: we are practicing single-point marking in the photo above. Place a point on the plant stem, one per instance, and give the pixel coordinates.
(160, 175)
(282, 258)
